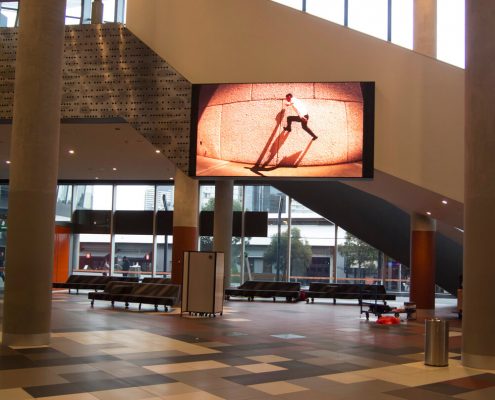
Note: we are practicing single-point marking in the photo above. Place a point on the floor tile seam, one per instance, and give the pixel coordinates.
(49, 368)
(105, 385)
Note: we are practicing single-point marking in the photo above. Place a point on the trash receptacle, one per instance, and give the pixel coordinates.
(437, 342)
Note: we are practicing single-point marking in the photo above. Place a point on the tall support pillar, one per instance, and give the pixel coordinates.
(185, 225)
(222, 225)
(423, 264)
(425, 27)
(478, 346)
(97, 12)
(33, 174)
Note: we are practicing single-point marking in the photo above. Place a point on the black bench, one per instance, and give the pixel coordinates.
(163, 281)
(91, 282)
(317, 290)
(357, 291)
(140, 293)
(252, 289)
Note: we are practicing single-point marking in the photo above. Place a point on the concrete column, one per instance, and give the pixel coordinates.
(97, 12)
(425, 27)
(423, 265)
(185, 229)
(479, 196)
(33, 173)
(222, 225)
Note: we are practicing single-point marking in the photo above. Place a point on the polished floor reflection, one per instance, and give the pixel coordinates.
(256, 350)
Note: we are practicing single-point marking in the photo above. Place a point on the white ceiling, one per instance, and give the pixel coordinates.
(103, 151)
(411, 198)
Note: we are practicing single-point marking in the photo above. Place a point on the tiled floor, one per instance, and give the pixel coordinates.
(256, 350)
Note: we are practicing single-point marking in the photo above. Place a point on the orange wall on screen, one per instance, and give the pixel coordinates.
(61, 254)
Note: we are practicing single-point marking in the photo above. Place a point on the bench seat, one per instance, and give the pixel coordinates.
(139, 293)
(252, 289)
(356, 291)
(89, 282)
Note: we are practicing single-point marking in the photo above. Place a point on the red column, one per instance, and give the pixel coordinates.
(423, 264)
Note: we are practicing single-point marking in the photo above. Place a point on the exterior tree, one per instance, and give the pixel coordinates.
(359, 257)
(301, 253)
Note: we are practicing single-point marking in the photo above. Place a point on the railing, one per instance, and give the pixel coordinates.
(79, 271)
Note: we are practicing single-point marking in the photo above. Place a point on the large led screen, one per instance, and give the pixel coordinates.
(283, 130)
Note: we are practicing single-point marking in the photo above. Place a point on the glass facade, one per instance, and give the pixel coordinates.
(77, 12)
(369, 16)
(301, 245)
(451, 31)
(109, 226)
(138, 250)
(392, 20)
(92, 253)
(73, 12)
(313, 240)
(91, 249)
(297, 4)
(133, 255)
(401, 29)
(8, 14)
(330, 10)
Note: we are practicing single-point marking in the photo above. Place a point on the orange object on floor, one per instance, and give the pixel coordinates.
(388, 320)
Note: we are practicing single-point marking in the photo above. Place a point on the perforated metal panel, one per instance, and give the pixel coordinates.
(108, 72)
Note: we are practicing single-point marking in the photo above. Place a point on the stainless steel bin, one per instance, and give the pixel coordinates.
(437, 342)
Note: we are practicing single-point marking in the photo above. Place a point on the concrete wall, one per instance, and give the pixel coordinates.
(238, 122)
(419, 121)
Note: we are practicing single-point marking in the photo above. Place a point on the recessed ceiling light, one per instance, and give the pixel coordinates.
(7, 162)
(157, 151)
(114, 169)
(96, 177)
(459, 229)
(71, 151)
(171, 179)
(428, 213)
(444, 201)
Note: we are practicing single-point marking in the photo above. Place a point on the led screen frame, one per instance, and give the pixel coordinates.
(253, 131)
